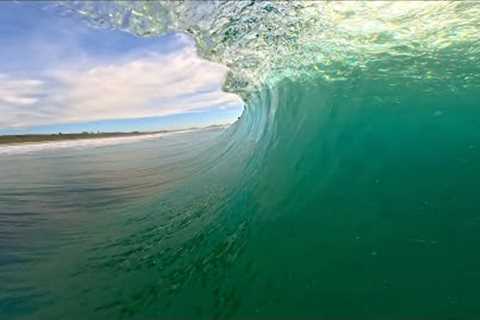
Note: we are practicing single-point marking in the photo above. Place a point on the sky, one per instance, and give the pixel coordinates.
(57, 74)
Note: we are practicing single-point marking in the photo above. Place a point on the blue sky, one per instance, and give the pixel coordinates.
(59, 74)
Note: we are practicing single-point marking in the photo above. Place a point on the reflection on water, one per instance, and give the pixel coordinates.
(71, 218)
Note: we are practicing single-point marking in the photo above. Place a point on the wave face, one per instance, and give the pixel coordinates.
(347, 190)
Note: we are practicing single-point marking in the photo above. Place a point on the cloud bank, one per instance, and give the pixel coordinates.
(142, 85)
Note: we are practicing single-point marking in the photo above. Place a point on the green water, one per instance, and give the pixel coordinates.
(347, 190)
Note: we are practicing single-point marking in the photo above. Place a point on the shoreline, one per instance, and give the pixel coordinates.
(27, 139)
(44, 138)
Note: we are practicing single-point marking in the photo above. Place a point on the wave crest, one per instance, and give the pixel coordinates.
(269, 40)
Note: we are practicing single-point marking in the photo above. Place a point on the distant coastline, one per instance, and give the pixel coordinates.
(33, 138)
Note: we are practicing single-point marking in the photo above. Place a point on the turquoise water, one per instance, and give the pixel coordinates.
(347, 190)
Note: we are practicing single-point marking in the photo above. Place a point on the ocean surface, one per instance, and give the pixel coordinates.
(348, 189)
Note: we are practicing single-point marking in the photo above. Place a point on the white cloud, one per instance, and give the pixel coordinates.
(145, 85)
(18, 92)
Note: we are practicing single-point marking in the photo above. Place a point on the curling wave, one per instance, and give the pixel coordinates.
(347, 190)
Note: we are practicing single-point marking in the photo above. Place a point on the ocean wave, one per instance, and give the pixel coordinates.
(348, 189)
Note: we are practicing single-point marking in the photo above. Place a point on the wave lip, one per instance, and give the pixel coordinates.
(261, 41)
